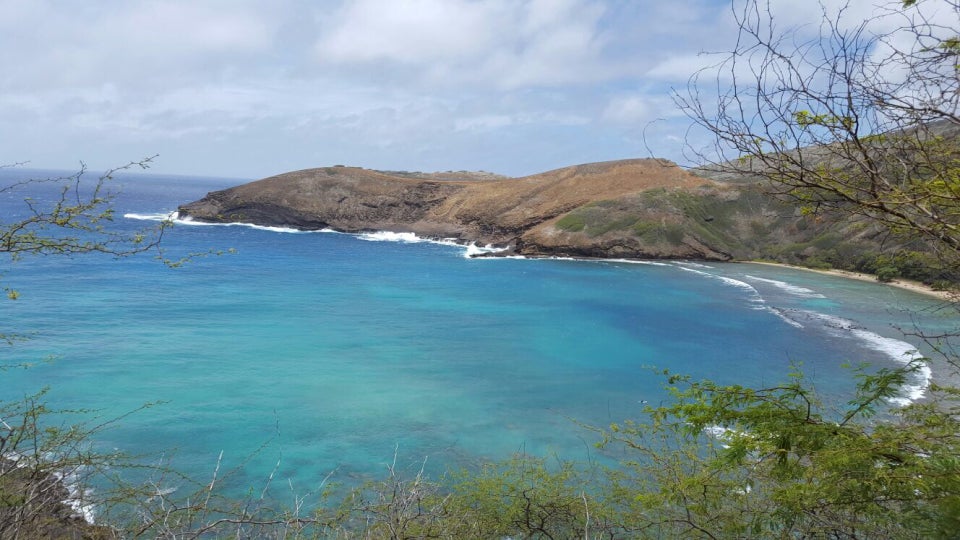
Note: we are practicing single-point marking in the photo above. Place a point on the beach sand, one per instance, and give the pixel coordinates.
(915, 286)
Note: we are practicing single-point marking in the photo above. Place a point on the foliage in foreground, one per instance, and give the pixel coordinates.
(719, 462)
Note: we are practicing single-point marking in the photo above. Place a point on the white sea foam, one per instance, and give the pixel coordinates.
(904, 353)
(784, 317)
(470, 250)
(638, 261)
(718, 432)
(595, 260)
(899, 351)
(165, 216)
(755, 295)
(724, 434)
(473, 250)
(286, 230)
(388, 236)
(688, 268)
(78, 499)
(792, 289)
(409, 238)
(175, 218)
(692, 264)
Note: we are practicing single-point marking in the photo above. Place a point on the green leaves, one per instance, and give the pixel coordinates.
(72, 220)
(729, 460)
(807, 119)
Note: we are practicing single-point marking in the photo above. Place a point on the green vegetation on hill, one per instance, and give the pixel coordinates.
(751, 224)
(716, 461)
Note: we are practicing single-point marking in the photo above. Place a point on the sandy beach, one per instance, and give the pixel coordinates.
(915, 286)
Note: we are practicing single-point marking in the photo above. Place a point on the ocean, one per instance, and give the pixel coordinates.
(319, 354)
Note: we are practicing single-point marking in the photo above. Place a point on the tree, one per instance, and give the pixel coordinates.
(861, 118)
(70, 217)
(47, 462)
(777, 463)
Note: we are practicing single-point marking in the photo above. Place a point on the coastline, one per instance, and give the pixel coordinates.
(489, 250)
(938, 370)
(913, 286)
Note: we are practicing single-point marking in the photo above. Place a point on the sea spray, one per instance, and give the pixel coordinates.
(67, 481)
(896, 350)
(792, 289)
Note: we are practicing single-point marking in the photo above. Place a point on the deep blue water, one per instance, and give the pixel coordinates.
(336, 350)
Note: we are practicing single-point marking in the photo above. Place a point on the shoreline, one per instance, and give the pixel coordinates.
(491, 251)
(913, 286)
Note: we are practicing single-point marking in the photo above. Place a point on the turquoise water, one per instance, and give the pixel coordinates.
(336, 351)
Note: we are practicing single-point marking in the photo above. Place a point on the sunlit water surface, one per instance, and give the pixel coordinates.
(327, 352)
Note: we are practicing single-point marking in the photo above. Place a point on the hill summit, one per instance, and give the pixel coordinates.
(636, 208)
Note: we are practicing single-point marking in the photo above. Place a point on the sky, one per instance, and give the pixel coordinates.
(248, 89)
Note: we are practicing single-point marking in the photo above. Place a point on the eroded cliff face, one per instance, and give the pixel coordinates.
(640, 209)
(520, 212)
(343, 198)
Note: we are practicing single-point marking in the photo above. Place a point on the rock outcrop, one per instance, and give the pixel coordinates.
(471, 207)
(642, 208)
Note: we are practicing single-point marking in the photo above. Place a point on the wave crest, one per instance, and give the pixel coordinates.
(795, 290)
(897, 350)
(174, 217)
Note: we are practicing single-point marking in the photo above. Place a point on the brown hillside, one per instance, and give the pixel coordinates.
(521, 203)
(486, 210)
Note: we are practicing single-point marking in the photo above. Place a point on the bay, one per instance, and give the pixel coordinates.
(327, 352)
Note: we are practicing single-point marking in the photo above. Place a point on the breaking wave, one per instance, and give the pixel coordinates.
(174, 217)
(787, 287)
(755, 295)
(402, 237)
(470, 250)
(78, 498)
(897, 350)
(473, 250)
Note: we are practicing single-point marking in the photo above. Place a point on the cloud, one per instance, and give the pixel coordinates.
(407, 31)
(628, 109)
(498, 43)
(245, 87)
(127, 42)
(683, 66)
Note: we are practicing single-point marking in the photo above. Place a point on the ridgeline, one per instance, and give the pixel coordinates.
(639, 209)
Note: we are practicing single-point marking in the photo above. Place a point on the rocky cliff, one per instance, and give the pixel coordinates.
(643, 208)
(519, 212)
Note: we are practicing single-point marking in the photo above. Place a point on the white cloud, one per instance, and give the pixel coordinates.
(681, 67)
(484, 123)
(451, 42)
(407, 31)
(248, 87)
(127, 42)
(627, 109)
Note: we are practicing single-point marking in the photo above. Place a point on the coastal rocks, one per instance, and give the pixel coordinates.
(343, 198)
(636, 209)
(34, 504)
(471, 207)
(618, 247)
